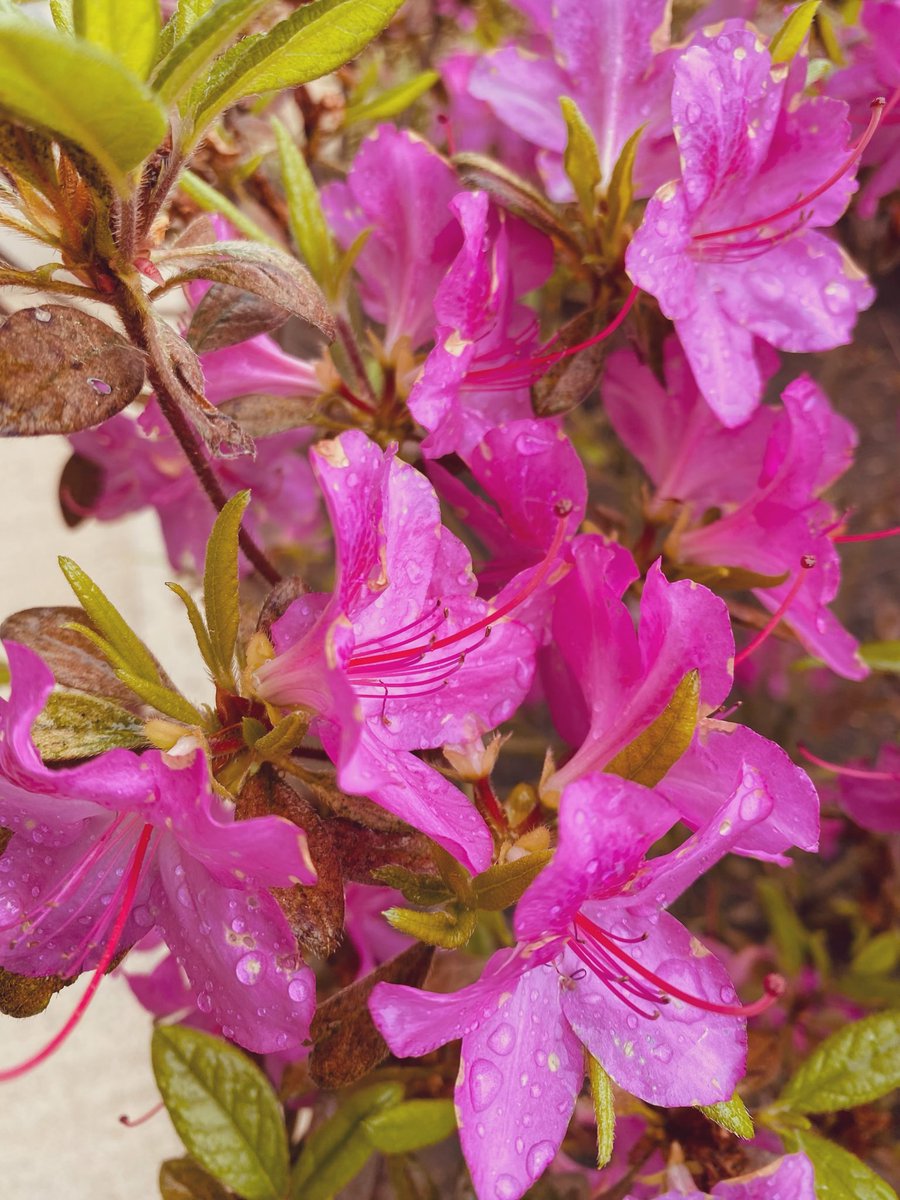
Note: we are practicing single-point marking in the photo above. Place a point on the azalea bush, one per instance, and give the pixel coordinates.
(536, 831)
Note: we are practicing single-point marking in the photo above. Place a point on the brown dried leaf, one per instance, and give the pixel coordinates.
(62, 370)
(23, 996)
(80, 484)
(227, 315)
(362, 851)
(315, 914)
(278, 601)
(262, 416)
(347, 1044)
(184, 1179)
(198, 232)
(572, 379)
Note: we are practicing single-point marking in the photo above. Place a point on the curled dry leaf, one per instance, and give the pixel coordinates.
(362, 851)
(263, 416)
(24, 996)
(315, 914)
(80, 486)
(347, 1044)
(278, 601)
(227, 315)
(571, 380)
(62, 371)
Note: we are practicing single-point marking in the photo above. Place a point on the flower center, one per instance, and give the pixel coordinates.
(635, 985)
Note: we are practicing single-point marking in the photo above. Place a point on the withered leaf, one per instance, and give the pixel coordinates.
(75, 662)
(184, 1179)
(315, 914)
(200, 231)
(571, 379)
(363, 851)
(347, 1044)
(24, 996)
(262, 416)
(227, 315)
(513, 193)
(278, 601)
(62, 370)
(80, 485)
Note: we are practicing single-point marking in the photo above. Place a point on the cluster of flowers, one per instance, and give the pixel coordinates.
(416, 650)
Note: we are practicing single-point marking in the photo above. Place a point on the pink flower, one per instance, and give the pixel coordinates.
(404, 656)
(763, 479)
(791, 1176)
(104, 852)
(730, 250)
(599, 964)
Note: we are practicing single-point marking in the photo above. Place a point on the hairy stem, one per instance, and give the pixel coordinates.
(351, 348)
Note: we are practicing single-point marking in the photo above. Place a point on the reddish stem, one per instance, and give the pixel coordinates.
(487, 799)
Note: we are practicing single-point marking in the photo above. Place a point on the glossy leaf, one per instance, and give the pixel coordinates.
(840, 1175)
(62, 370)
(221, 599)
(309, 229)
(316, 39)
(647, 759)
(859, 1063)
(79, 92)
(731, 1115)
(393, 101)
(789, 39)
(128, 31)
(581, 158)
(502, 885)
(224, 1110)
(337, 1151)
(410, 1126)
(604, 1110)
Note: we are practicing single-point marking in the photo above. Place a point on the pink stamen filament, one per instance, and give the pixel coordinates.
(866, 537)
(773, 985)
(488, 620)
(878, 109)
(109, 952)
(523, 371)
(850, 772)
(134, 1122)
(806, 563)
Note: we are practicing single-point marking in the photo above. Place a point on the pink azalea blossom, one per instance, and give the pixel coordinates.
(791, 1176)
(403, 656)
(764, 479)
(731, 249)
(871, 797)
(143, 840)
(599, 964)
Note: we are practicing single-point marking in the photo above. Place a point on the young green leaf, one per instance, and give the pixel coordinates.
(790, 37)
(393, 101)
(881, 656)
(220, 588)
(202, 31)
(309, 228)
(316, 39)
(129, 31)
(337, 1151)
(604, 1110)
(410, 1126)
(197, 624)
(502, 885)
(647, 759)
(840, 1175)
(857, 1064)
(211, 200)
(79, 92)
(109, 622)
(162, 698)
(731, 1115)
(620, 191)
(223, 1109)
(76, 725)
(581, 159)
(449, 929)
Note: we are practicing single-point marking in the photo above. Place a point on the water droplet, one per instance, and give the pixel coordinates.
(41, 314)
(502, 1039)
(297, 990)
(692, 113)
(837, 297)
(631, 1021)
(520, 1145)
(662, 1052)
(727, 995)
(238, 925)
(751, 805)
(536, 1090)
(507, 1188)
(540, 1156)
(204, 1002)
(485, 1082)
(99, 385)
(725, 828)
(249, 968)
(184, 896)
(142, 917)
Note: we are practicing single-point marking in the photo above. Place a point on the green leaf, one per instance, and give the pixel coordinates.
(79, 92)
(309, 229)
(223, 1109)
(425, 890)
(202, 30)
(128, 31)
(211, 200)
(790, 934)
(449, 929)
(286, 736)
(581, 159)
(620, 192)
(729, 579)
(731, 1115)
(162, 698)
(316, 39)
(840, 1175)
(336, 1152)
(393, 101)
(881, 656)
(647, 759)
(109, 623)
(183, 1179)
(857, 1064)
(789, 39)
(197, 624)
(220, 588)
(502, 885)
(604, 1110)
(879, 956)
(77, 725)
(410, 1126)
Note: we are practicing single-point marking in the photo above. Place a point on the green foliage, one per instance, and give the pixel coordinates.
(620, 192)
(731, 1115)
(581, 159)
(647, 759)
(77, 725)
(502, 885)
(840, 1175)
(392, 101)
(127, 649)
(409, 1126)
(338, 1150)
(79, 92)
(451, 928)
(129, 31)
(604, 1110)
(211, 200)
(859, 1063)
(221, 598)
(309, 228)
(881, 656)
(224, 1110)
(789, 39)
(202, 31)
